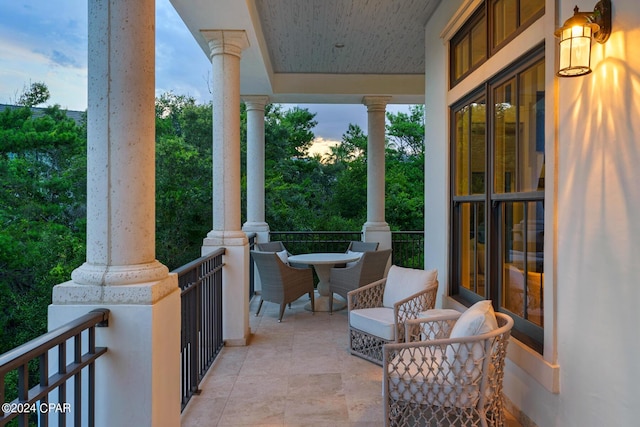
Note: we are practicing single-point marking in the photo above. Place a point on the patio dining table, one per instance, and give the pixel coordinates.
(322, 263)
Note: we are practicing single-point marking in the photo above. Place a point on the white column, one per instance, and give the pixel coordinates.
(255, 167)
(138, 379)
(226, 49)
(376, 229)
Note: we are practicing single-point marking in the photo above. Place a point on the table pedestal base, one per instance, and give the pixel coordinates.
(322, 303)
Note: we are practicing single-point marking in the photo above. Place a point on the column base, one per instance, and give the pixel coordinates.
(218, 239)
(255, 227)
(235, 289)
(377, 232)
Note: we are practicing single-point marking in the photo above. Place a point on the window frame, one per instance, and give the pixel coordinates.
(526, 331)
(485, 11)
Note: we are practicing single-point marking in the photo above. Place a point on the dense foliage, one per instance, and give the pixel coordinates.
(43, 192)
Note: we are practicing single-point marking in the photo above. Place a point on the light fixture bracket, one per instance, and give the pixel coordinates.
(599, 20)
(602, 16)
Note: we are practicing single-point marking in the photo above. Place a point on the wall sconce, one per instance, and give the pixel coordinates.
(575, 38)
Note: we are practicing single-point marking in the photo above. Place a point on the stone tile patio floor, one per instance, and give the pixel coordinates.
(295, 373)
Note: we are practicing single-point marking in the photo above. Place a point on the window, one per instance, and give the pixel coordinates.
(507, 18)
(469, 47)
(498, 196)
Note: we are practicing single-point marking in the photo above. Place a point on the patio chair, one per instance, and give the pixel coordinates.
(281, 283)
(450, 371)
(377, 311)
(368, 269)
(279, 248)
(358, 246)
(275, 246)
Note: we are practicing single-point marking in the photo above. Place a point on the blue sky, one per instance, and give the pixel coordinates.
(46, 40)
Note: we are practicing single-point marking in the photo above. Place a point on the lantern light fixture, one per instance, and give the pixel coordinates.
(575, 38)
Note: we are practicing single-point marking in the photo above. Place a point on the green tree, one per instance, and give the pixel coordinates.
(406, 131)
(183, 178)
(35, 94)
(405, 170)
(42, 215)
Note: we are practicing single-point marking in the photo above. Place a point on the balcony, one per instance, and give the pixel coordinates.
(298, 372)
(295, 373)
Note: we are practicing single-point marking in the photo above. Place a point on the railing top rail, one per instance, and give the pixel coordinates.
(18, 356)
(199, 261)
(315, 232)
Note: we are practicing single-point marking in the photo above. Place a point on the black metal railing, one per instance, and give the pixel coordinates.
(408, 249)
(298, 242)
(201, 319)
(252, 243)
(30, 362)
(407, 246)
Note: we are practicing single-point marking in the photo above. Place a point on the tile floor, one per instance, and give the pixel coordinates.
(295, 373)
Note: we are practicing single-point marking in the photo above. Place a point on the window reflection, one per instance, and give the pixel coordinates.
(523, 259)
(473, 241)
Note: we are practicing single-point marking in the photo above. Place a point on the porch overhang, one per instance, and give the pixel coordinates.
(295, 54)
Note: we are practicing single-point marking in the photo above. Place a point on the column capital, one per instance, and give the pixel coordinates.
(376, 103)
(255, 102)
(230, 42)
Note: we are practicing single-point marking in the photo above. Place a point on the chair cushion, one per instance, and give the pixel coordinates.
(403, 282)
(422, 376)
(477, 319)
(283, 256)
(378, 321)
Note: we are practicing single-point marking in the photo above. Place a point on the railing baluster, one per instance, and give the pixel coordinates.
(37, 350)
(201, 285)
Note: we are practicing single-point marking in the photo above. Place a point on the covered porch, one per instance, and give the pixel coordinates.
(588, 137)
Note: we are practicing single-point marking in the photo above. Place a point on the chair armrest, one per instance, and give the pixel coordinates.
(429, 329)
(368, 296)
(297, 278)
(412, 306)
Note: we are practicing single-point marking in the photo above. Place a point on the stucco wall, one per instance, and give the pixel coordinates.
(598, 240)
(593, 147)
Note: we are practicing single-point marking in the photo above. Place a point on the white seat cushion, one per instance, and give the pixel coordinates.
(422, 376)
(403, 282)
(378, 321)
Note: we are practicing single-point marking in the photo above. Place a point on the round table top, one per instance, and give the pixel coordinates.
(324, 258)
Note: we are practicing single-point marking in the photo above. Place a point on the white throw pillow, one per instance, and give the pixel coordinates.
(403, 282)
(283, 256)
(465, 358)
(477, 319)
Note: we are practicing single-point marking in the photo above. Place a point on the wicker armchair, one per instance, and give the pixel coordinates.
(281, 283)
(441, 381)
(368, 269)
(377, 311)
